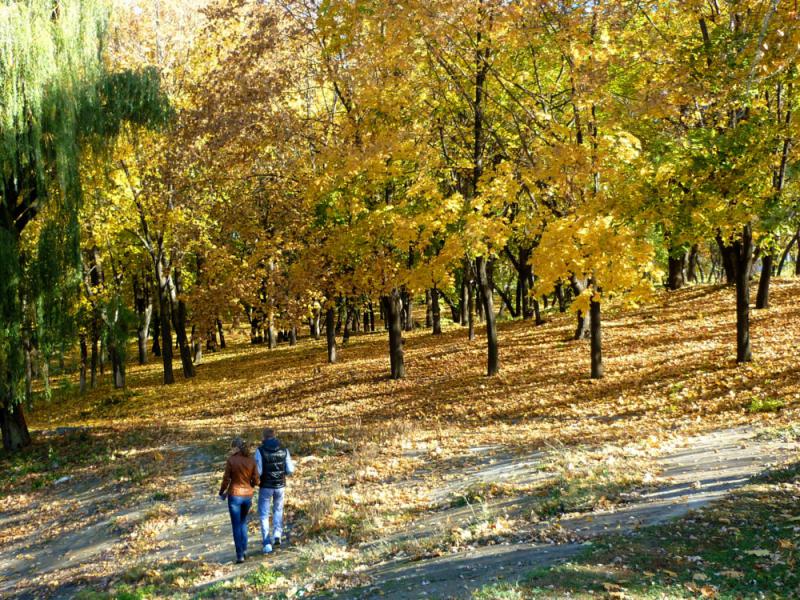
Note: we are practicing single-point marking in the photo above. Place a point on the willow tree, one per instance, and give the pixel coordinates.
(56, 98)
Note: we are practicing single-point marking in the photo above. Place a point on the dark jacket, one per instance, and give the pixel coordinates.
(273, 464)
(241, 476)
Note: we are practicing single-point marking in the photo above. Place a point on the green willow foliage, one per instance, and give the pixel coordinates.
(56, 97)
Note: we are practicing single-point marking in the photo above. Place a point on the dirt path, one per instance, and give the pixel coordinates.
(202, 529)
(698, 471)
(76, 535)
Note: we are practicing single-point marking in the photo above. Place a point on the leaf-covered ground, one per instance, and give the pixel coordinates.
(375, 455)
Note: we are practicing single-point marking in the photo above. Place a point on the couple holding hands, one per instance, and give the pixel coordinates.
(244, 471)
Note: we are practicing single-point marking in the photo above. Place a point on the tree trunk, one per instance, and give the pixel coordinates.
(84, 355)
(338, 328)
(537, 313)
(506, 301)
(180, 327)
(408, 311)
(455, 309)
(271, 333)
(742, 250)
(728, 260)
(156, 334)
(797, 261)
(436, 313)
(330, 333)
(211, 338)
(762, 299)
(221, 333)
(317, 325)
(371, 317)
(144, 310)
(394, 311)
(293, 335)
(94, 358)
(117, 367)
(596, 340)
(428, 309)
(255, 328)
(693, 264)
(785, 254)
(677, 264)
(471, 311)
(562, 304)
(582, 329)
(488, 310)
(525, 274)
(348, 323)
(197, 346)
(464, 304)
(13, 427)
(27, 348)
(165, 329)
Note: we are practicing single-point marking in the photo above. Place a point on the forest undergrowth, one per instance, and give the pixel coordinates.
(375, 454)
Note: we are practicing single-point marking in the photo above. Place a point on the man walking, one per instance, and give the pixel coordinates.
(273, 463)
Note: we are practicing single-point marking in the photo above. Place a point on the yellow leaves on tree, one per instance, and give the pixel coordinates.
(617, 257)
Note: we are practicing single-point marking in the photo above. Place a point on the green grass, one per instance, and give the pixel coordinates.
(500, 591)
(479, 493)
(50, 458)
(122, 592)
(584, 491)
(263, 577)
(761, 404)
(744, 546)
(145, 581)
(788, 433)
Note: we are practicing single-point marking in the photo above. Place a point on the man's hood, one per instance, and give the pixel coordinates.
(271, 444)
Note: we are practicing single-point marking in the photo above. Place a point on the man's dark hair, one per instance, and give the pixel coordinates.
(268, 433)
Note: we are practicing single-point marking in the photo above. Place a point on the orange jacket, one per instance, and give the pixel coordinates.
(241, 476)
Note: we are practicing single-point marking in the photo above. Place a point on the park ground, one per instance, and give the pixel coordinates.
(674, 476)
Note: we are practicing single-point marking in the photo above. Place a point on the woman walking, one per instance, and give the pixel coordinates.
(238, 482)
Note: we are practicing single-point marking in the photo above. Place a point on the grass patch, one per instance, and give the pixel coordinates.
(50, 458)
(263, 577)
(762, 404)
(744, 546)
(788, 433)
(589, 480)
(479, 493)
(500, 591)
(158, 580)
(122, 592)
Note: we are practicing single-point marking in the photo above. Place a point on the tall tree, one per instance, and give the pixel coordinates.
(57, 96)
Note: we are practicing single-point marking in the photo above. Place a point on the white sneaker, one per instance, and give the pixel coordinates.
(267, 548)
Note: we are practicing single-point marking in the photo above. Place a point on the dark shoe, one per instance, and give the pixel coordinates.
(276, 542)
(239, 561)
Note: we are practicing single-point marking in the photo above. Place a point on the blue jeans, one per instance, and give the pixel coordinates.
(275, 496)
(238, 507)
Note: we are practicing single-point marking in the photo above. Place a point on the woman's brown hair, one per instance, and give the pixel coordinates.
(241, 445)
